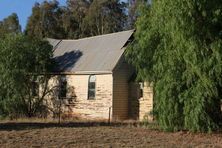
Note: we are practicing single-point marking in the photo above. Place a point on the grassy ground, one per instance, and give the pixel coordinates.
(90, 134)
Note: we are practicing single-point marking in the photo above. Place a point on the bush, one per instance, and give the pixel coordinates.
(22, 61)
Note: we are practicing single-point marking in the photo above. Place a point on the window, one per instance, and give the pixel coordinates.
(92, 87)
(141, 89)
(35, 89)
(63, 87)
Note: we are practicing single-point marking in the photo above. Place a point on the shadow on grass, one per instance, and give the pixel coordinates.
(17, 126)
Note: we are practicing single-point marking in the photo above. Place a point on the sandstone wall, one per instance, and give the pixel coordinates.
(77, 104)
(146, 103)
(141, 105)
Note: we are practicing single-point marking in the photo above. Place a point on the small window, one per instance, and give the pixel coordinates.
(35, 89)
(141, 93)
(141, 89)
(63, 87)
(92, 87)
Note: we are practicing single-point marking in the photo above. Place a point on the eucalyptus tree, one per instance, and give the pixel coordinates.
(77, 10)
(105, 16)
(133, 11)
(10, 24)
(46, 20)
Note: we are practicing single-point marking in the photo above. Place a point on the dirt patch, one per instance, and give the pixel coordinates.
(98, 135)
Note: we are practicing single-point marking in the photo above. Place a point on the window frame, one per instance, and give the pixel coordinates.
(91, 89)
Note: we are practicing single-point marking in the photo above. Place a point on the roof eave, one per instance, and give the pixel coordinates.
(81, 73)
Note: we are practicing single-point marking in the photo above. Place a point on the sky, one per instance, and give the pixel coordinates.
(23, 8)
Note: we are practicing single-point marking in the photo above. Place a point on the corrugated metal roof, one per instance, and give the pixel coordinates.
(98, 53)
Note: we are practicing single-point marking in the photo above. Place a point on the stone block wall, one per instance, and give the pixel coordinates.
(77, 103)
(141, 105)
(146, 103)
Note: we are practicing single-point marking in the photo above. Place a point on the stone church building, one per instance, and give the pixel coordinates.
(96, 82)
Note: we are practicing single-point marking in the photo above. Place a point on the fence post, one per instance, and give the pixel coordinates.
(60, 104)
(109, 121)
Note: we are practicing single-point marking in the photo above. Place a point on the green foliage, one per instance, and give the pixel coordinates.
(105, 16)
(21, 60)
(77, 11)
(178, 46)
(80, 18)
(10, 25)
(133, 11)
(46, 21)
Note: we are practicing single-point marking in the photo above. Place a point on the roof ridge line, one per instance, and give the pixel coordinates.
(97, 35)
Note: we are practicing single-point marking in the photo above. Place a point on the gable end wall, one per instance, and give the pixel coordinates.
(121, 76)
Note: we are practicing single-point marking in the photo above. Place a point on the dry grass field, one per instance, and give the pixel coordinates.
(89, 134)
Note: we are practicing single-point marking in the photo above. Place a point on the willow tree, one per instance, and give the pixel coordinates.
(178, 46)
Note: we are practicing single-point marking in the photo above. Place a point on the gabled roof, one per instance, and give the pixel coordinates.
(53, 42)
(93, 54)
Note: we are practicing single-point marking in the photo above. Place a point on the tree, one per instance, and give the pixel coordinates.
(105, 16)
(10, 25)
(46, 21)
(133, 11)
(77, 11)
(23, 62)
(96, 17)
(178, 47)
(80, 18)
